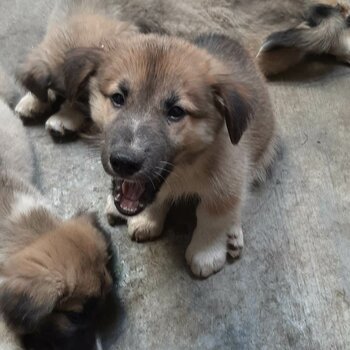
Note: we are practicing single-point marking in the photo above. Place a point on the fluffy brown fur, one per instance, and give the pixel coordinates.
(324, 30)
(149, 143)
(53, 273)
(92, 23)
(72, 24)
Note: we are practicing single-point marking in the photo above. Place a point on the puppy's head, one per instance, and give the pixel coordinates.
(162, 103)
(55, 285)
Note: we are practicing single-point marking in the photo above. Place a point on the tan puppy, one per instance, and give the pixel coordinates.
(53, 273)
(73, 23)
(180, 119)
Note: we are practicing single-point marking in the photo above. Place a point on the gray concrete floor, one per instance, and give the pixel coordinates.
(290, 289)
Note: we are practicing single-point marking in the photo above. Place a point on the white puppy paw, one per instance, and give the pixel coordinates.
(143, 228)
(65, 123)
(204, 261)
(30, 108)
(235, 242)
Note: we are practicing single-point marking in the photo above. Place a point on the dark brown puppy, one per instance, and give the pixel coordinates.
(179, 119)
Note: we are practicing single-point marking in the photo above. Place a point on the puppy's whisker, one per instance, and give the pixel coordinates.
(167, 163)
(163, 170)
(166, 182)
(159, 175)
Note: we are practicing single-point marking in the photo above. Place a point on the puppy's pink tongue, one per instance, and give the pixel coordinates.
(132, 191)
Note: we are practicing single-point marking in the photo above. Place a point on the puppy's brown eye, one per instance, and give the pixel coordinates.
(118, 100)
(176, 113)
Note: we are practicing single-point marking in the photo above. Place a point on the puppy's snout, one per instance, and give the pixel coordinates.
(125, 165)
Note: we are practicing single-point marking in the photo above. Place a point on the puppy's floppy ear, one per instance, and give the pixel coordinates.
(29, 292)
(80, 64)
(36, 77)
(233, 100)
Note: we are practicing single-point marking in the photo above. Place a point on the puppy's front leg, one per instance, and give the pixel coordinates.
(215, 235)
(30, 108)
(149, 224)
(67, 121)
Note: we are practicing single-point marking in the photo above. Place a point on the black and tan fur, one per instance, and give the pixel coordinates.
(72, 24)
(324, 30)
(225, 140)
(250, 21)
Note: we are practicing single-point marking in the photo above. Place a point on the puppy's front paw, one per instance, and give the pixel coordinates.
(235, 242)
(29, 108)
(204, 261)
(61, 126)
(141, 228)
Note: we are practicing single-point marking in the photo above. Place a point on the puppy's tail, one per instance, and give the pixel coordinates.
(10, 92)
(320, 33)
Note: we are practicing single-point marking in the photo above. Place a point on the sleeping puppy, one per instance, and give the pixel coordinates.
(72, 24)
(53, 273)
(325, 30)
(179, 119)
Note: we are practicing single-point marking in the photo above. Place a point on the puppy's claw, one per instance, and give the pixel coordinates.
(142, 229)
(141, 236)
(235, 243)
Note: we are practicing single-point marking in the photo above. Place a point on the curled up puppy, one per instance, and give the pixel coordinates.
(179, 119)
(324, 30)
(54, 274)
(73, 23)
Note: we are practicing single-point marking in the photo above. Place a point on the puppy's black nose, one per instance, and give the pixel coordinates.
(125, 165)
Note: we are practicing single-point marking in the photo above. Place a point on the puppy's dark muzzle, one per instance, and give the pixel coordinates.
(125, 165)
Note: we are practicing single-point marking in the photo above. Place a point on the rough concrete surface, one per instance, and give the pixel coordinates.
(290, 289)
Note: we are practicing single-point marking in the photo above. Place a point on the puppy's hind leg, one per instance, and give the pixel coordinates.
(66, 123)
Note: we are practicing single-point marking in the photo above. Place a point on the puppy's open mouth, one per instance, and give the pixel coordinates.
(129, 197)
